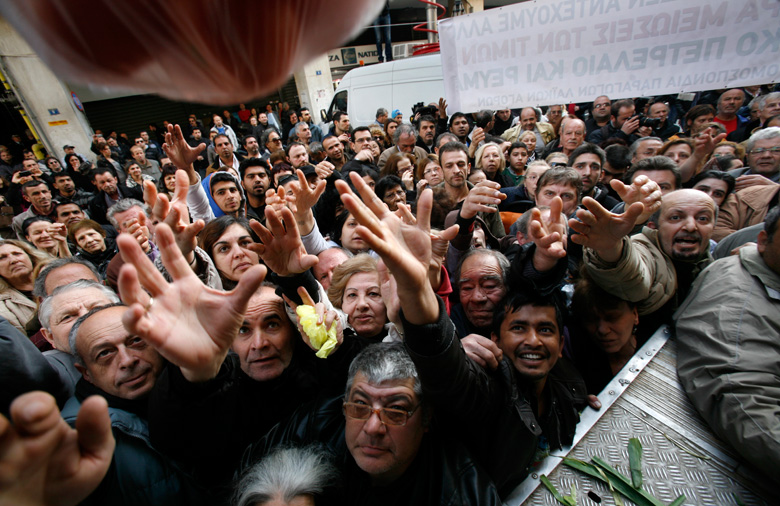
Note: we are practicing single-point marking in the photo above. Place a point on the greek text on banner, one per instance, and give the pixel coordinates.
(545, 52)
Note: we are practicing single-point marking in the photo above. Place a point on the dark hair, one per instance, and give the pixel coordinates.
(102, 170)
(211, 233)
(716, 174)
(565, 176)
(698, 110)
(658, 162)
(166, 170)
(617, 156)
(453, 147)
(247, 163)
(360, 129)
(387, 183)
(586, 148)
(33, 184)
(588, 295)
(267, 134)
(456, 116)
(246, 138)
(770, 223)
(90, 224)
(428, 118)
(57, 203)
(525, 296)
(614, 109)
(219, 177)
(33, 219)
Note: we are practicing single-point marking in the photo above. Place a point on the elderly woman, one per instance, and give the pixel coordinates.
(490, 159)
(18, 261)
(46, 236)
(607, 338)
(356, 290)
(93, 245)
(227, 240)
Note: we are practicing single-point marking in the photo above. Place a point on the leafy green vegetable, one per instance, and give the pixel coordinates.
(635, 462)
(565, 500)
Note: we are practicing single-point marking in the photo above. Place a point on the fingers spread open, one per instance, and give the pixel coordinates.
(148, 275)
(172, 259)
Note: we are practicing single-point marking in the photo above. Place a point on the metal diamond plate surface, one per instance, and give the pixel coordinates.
(645, 401)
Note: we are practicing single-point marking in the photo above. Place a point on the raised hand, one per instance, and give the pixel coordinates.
(43, 461)
(190, 324)
(405, 249)
(281, 248)
(482, 198)
(326, 317)
(548, 235)
(603, 231)
(642, 189)
(182, 155)
(305, 198)
(175, 213)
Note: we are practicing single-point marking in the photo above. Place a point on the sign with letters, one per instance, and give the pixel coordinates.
(546, 52)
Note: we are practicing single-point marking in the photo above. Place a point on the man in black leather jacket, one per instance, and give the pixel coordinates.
(531, 401)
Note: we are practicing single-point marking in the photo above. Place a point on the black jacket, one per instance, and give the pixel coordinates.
(98, 206)
(493, 412)
(442, 474)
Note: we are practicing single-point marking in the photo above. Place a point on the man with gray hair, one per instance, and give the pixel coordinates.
(381, 116)
(122, 368)
(59, 311)
(381, 433)
(763, 160)
(404, 140)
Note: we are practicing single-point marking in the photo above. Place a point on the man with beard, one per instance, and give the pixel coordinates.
(427, 133)
(251, 146)
(653, 269)
(255, 181)
(335, 151)
(66, 190)
(588, 160)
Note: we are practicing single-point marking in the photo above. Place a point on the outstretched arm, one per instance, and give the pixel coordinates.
(45, 462)
(182, 155)
(405, 249)
(642, 189)
(549, 236)
(603, 231)
(190, 324)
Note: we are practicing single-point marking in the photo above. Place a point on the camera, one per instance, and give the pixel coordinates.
(653, 123)
(424, 110)
(25, 173)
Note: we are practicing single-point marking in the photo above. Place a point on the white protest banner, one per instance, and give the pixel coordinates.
(545, 52)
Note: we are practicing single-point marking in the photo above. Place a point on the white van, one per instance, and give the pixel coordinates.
(398, 84)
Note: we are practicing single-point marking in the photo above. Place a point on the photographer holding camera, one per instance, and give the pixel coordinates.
(624, 124)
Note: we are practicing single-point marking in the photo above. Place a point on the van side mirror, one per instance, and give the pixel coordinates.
(324, 115)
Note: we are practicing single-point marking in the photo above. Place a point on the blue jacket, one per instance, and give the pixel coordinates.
(138, 474)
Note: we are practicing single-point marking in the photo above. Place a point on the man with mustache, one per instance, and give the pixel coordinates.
(656, 268)
(123, 368)
(588, 160)
(255, 181)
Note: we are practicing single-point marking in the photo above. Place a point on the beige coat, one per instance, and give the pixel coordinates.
(16, 308)
(744, 208)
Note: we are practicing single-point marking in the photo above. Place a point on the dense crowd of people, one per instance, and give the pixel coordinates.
(475, 281)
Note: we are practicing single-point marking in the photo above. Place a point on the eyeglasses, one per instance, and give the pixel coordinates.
(760, 151)
(388, 416)
(600, 106)
(433, 170)
(276, 140)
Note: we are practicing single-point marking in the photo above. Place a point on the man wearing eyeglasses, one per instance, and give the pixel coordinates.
(382, 435)
(599, 114)
(361, 145)
(763, 160)
(757, 190)
(272, 141)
